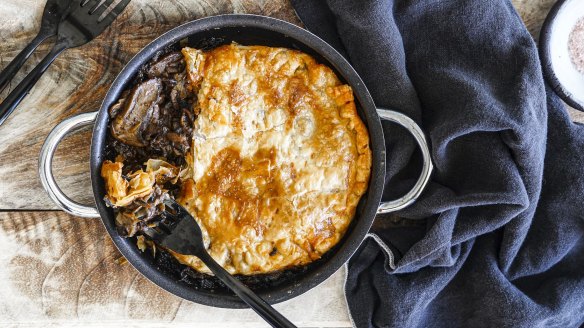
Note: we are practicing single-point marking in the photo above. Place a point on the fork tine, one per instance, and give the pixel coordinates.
(109, 18)
(173, 205)
(153, 234)
(79, 8)
(83, 3)
(100, 7)
(165, 229)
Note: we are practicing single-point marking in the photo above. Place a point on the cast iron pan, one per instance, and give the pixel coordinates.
(163, 269)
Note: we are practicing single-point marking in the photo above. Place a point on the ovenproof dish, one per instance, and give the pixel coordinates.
(268, 154)
(163, 269)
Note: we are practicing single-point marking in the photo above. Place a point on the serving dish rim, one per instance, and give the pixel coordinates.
(545, 53)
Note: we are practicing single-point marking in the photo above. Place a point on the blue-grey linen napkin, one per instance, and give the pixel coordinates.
(499, 240)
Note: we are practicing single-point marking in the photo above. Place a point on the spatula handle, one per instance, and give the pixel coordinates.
(265, 310)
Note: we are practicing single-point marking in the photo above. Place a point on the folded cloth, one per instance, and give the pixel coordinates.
(496, 240)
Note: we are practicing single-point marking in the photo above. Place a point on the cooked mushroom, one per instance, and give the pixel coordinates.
(140, 108)
(115, 109)
(168, 64)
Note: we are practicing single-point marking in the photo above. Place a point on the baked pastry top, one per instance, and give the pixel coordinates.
(279, 157)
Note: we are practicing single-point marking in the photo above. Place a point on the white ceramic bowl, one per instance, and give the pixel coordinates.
(558, 68)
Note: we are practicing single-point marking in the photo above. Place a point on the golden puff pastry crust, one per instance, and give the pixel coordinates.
(279, 161)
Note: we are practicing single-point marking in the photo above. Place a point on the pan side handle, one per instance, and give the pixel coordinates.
(46, 162)
(427, 166)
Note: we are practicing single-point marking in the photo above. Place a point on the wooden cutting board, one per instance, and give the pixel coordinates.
(60, 270)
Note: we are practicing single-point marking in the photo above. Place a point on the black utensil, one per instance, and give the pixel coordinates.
(54, 11)
(179, 232)
(80, 26)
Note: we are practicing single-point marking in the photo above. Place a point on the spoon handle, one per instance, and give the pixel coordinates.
(261, 307)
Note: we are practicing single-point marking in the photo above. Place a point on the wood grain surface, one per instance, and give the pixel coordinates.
(62, 269)
(77, 82)
(58, 270)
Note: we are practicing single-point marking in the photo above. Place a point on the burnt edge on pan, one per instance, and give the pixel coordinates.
(168, 264)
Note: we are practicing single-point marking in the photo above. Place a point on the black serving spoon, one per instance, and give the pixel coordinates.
(179, 232)
(82, 24)
(54, 11)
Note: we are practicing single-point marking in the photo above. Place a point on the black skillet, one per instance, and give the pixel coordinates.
(163, 270)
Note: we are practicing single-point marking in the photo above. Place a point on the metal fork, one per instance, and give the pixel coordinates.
(80, 26)
(179, 232)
